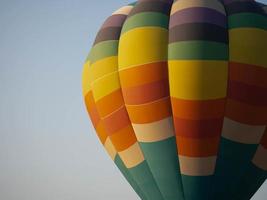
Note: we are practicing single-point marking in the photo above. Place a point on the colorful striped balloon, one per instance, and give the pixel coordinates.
(177, 93)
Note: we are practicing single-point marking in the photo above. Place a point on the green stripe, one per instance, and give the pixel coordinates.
(247, 20)
(103, 50)
(197, 187)
(163, 162)
(128, 177)
(146, 19)
(198, 50)
(145, 180)
(132, 4)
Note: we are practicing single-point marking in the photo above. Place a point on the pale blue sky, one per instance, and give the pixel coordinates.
(48, 149)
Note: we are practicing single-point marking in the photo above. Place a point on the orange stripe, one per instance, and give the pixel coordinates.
(146, 93)
(264, 139)
(101, 132)
(116, 121)
(91, 108)
(143, 74)
(250, 74)
(110, 103)
(190, 109)
(244, 113)
(151, 112)
(124, 138)
(197, 147)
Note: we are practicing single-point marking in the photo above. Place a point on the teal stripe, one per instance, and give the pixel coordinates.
(232, 159)
(103, 50)
(145, 181)
(251, 181)
(146, 19)
(250, 20)
(128, 177)
(163, 162)
(198, 50)
(197, 187)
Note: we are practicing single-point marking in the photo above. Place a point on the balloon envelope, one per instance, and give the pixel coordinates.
(177, 93)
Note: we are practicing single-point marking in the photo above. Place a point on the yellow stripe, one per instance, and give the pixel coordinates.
(143, 45)
(132, 156)
(194, 166)
(123, 11)
(198, 80)
(183, 4)
(104, 67)
(248, 45)
(110, 148)
(86, 78)
(155, 131)
(105, 85)
(260, 158)
(242, 133)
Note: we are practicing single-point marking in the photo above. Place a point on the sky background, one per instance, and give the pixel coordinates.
(48, 148)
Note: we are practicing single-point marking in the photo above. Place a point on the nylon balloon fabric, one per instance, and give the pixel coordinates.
(177, 93)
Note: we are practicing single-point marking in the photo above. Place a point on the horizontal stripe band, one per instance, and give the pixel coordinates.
(103, 50)
(117, 120)
(198, 128)
(114, 21)
(110, 103)
(106, 34)
(198, 50)
(153, 41)
(150, 112)
(106, 85)
(194, 147)
(142, 74)
(146, 93)
(103, 67)
(249, 74)
(151, 6)
(198, 31)
(205, 109)
(249, 94)
(247, 20)
(123, 138)
(244, 7)
(155, 131)
(198, 15)
(146, 19)
(132, 156)
(248, 45)
(193, 166)
(242, 133)
(245, 113)
(184, 4)
(198, 80)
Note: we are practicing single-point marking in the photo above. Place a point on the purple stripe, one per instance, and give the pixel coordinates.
(114, 21)
(225, 2)
(196, 15)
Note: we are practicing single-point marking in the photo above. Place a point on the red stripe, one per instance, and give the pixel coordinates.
(198, 128)
(146, 93)
(249, 94)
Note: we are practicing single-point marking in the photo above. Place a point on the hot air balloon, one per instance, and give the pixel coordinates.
(177, 93)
